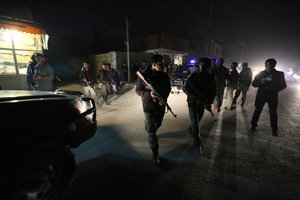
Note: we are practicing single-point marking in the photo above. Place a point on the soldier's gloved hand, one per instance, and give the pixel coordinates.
(148, 87)
(154, 97)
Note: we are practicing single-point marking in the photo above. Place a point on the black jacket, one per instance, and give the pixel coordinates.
(200, 86)
(160, 82)
(245, 78)
(275, 82)
(233, 79)
(86, 74)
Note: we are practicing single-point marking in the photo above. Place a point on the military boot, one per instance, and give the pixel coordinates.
(198, 150)
(197, 145)
(155, 157)
(154, 147)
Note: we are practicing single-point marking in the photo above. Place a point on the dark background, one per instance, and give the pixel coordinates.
(263, 29)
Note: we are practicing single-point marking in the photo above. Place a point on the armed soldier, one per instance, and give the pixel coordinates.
(30, 73)
(105, 80)
(245, 79)
(87, 81)
(153, 109)
(200, 88)
(43, 74)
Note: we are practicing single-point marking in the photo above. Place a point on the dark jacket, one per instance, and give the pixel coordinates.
(233, 79)
(268, 91)
(200, 86)
(104, 76)
(30, 73)
(222, 74)
(86, 74)
(160, 82)
(245, 78)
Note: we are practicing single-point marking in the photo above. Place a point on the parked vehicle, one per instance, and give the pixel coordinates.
(39, 129)
(180, 74)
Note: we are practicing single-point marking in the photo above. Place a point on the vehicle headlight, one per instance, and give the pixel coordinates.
(85, 106)
(79, 105)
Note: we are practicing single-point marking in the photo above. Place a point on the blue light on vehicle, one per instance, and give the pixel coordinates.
(192, 61)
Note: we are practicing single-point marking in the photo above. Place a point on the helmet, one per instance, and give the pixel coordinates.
(38, 54)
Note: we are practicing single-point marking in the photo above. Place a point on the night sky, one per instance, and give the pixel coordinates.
(267, 28)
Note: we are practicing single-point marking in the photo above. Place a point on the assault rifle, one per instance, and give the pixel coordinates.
(206, 104)
(151, 88)
(87, 82)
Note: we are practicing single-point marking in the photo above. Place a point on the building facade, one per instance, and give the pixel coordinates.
(19, 39)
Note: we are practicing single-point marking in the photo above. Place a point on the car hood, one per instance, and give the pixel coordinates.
(6, 95)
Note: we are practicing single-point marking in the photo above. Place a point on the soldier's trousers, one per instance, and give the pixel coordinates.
(196, 111)
(152, 122)
(273, 104)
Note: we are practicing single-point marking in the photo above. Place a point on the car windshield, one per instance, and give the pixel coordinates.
(184, 71)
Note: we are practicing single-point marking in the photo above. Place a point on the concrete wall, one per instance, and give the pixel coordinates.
(116, 58)
(13, 82)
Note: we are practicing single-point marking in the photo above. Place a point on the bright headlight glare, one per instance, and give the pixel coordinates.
(296, 76)
(83, 105)
(78, 105)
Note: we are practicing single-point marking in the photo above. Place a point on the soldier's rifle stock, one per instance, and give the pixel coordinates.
(159, 97)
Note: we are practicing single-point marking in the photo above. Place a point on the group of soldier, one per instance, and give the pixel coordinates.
(205, 89)
(40, 74)
(106, 78)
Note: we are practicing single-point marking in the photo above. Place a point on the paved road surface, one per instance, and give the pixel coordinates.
(237, 164)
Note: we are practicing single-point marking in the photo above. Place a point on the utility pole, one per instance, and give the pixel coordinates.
(127, 45)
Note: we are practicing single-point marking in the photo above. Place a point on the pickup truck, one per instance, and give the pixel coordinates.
(38, 131)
